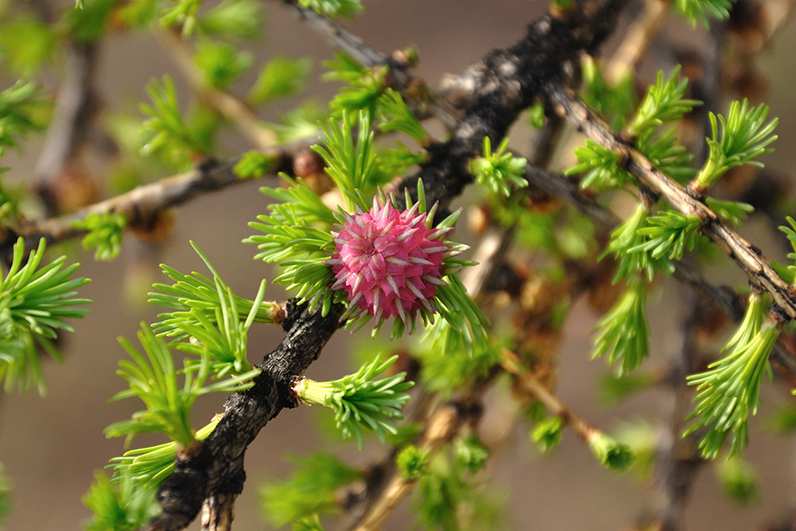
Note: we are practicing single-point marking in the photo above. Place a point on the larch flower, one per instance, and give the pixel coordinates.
(391, 263)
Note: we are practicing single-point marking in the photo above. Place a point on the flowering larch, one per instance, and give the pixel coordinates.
(390, 263)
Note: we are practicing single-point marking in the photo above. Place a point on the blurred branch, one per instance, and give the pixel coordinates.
(141, 204)
(75, 109)
(680, 459)
(441, 427)
(229, 106)
(637, 40)
(531, 385)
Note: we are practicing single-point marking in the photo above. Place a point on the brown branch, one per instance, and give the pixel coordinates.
(533, 386)
(723, 297)
(140, 205)
(214, 474)
(75, 108)
(746, 256)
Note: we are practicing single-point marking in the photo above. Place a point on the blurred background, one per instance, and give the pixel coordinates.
(51, 446)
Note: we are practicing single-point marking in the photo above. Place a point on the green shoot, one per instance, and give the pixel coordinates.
(733, 212)
(395, 161)
(194, 294)
(664, 103)
(222, 337)
(280, 77)
(366, 86)
(183, 13)
(626, 237)
(298, 237)
(699, 10)
(350, 163)
(668, 235)
(471, 455)
(359, 401)
(446, 498)
(5, 491)
(153, 379)
(28, 43)
(601, 167)
(497, 170)
(19, 112)
(311, 489)
(609, 452)
(738, 480)
(149, 467)
(308, 523)
(221, 63)
(412, 462)
(449, 361)
(34, 301)
(254, 165)
(104, 234)
(461, 312)
(667, 155)
(614, 103)
(334, 8)
(299, 124)
(231, 19)
(396, 116)
(790, 232)
(623, 333)
(743, 136)
(90, 23)
(547, 433)
(166, 130)
(729, 392)
(121, 506)
(536, 115)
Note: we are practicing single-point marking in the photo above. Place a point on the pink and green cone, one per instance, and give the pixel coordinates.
(391, 263)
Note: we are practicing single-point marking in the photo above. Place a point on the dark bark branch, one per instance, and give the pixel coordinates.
(215, 470)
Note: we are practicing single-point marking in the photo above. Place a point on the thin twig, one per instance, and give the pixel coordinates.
(530, 384)
(442, 426)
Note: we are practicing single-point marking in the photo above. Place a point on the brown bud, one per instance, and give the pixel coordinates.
(156, 228)
(407, 58)
(309, 166)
